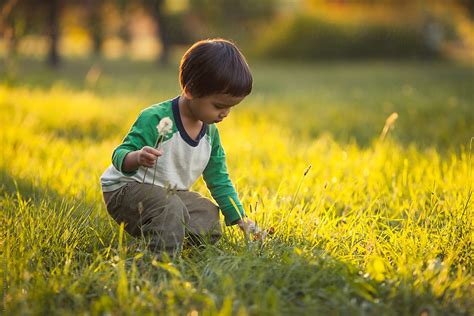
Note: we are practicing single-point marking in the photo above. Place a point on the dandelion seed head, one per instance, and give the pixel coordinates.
(165, 126)
(253, 228)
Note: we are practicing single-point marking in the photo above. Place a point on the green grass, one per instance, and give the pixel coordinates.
(349, 100)
(376, 227)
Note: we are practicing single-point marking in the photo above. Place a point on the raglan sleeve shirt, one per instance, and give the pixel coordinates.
(143, 133)
(219, 184)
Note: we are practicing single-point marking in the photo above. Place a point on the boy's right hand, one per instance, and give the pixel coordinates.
(147, 156)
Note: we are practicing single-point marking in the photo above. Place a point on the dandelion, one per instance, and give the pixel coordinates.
(252, 228)
(164, 128)
(259, 233)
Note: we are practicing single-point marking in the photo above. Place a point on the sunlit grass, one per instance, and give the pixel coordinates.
(383, 228)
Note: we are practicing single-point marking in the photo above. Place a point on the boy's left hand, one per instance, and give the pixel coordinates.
(244, 225)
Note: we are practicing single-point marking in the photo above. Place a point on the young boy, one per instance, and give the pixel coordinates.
(214, 77)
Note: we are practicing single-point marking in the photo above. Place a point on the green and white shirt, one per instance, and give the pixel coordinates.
(184, 159)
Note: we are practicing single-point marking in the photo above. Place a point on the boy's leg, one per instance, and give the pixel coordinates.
(204, 224)
(150, 211)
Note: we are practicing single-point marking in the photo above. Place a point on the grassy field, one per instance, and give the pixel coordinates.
(375, 227)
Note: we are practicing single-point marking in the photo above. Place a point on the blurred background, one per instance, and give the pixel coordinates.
(335, 68)
(280, 29)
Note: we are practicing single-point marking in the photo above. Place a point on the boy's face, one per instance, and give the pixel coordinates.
(213, 108)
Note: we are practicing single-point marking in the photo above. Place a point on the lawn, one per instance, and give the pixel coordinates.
(378, 225)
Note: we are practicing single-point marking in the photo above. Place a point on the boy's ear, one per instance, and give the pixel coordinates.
(187, 94)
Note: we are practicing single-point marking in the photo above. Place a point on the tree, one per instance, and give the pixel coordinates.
(469, 6)
(156, 9)
(7, 28)
(238, 19)
(95, 24)
(54, 8)
(19, 18)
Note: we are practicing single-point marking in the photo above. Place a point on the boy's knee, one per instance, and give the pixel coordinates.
(177, 209)
(169, 214)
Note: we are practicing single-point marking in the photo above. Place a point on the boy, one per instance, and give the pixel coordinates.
(214, 77)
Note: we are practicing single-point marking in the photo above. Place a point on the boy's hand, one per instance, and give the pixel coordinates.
(245, 225)
(147, 156)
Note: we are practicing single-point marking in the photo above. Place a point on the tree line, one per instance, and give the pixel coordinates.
(38, 17)
(241, 20)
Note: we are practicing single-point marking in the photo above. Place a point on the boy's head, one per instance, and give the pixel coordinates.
(212, 67)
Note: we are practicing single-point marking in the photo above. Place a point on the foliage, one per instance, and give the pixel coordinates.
(235, 19)
(178, 29)
(383, 228)
(315, 38)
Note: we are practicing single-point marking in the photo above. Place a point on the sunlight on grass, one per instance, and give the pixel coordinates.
(385, 228)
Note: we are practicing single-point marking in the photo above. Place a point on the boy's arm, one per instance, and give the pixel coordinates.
(143, 133)
(217, 180)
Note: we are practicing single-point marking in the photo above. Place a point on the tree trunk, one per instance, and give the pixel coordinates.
(53, 32)
(161, 32)
(94, 8)
(8, 27)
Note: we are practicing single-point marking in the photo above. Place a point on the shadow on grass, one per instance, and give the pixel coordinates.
(28, 190)
(45, 197)
(10, 185)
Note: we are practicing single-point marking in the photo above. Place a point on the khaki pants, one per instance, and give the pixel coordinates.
(163, 216)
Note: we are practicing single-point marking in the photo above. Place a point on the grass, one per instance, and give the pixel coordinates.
(375, 227)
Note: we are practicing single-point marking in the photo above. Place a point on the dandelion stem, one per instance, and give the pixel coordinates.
(157, 144)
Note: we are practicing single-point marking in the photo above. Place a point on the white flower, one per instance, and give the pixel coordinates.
(165, 126)
(253, 228)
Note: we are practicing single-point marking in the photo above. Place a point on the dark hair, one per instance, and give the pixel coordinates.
(215, 66)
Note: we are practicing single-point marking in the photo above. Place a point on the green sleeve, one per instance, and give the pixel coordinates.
(143, 133)
(218, 181)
